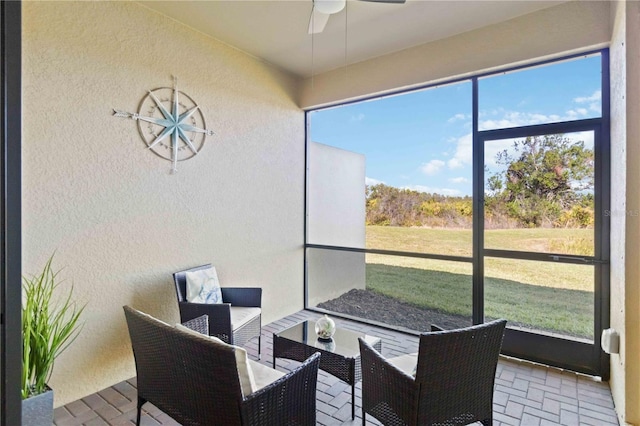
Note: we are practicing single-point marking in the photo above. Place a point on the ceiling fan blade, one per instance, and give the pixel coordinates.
(317, 21)
(386, 1)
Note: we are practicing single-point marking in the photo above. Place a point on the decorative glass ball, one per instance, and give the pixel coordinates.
(325, 327)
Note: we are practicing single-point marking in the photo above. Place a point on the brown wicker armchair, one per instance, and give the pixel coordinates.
(453, 382)
(196, 382)
(235, 321)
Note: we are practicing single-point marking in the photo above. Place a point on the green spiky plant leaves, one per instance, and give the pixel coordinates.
(50, 323)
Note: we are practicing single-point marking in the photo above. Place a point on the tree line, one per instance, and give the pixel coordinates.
(546, 181)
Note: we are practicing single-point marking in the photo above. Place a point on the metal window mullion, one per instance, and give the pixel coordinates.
(418, 255)
(11, 247)
(602, 225)
(478, 211)
(305, 229)
(543, 257)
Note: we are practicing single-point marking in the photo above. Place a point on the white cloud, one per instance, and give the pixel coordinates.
(517, 119)
(596, 96)
(463, 154)
(499, 118)
(371, 181)
(577, 113)
(358, 117)
(430, 190)
(495, 111)
(594, 101)
(457, 117)
(432, 167)
(459, 179)
(454, 163)
(586, 137)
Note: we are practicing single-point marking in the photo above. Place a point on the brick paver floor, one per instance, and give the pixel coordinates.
(525, 393)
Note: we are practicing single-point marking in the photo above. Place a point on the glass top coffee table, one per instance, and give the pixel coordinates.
(340, 356)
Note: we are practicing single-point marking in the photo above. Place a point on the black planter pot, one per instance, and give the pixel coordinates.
(38, 410)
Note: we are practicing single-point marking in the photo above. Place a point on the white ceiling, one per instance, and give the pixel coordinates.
(276, 30)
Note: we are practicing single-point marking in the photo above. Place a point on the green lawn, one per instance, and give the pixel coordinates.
(539, 295)
(457, 242)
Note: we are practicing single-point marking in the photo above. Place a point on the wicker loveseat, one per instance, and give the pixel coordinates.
(196, 380)
(453, 383)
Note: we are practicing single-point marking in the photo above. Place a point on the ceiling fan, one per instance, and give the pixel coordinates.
(322, 9)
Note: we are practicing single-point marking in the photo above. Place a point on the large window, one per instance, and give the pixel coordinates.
(415, 174)
(466, 201)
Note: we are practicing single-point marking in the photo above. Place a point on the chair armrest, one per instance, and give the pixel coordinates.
(242, 296)
(290, 400)
(385, 385)
(199, 324)
(219, 317)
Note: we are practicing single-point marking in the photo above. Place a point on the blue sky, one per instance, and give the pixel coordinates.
(422, 140)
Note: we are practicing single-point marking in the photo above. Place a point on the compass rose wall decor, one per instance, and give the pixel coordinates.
(170, 124)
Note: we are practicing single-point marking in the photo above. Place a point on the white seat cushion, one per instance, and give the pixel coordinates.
(245, 373)
(406, 363)
(264, 375)
(241, 315)
(248, 384)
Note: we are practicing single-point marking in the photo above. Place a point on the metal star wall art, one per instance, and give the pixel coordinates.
(170, 123)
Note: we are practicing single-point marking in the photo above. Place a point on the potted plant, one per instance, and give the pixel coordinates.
(49, 325)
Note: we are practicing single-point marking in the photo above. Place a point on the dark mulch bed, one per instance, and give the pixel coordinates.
(376, 307)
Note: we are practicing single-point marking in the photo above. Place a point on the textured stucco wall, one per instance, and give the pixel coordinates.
(118, 221)
(618, 200)
(632, 242)
(550, 32)
(625, 201)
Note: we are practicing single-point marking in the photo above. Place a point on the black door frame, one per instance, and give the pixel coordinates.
(562, 352)
(556, 351)
(10, 214)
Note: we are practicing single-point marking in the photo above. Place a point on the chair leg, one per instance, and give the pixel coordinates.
(259, 347)
(141, 402)
(363, 417)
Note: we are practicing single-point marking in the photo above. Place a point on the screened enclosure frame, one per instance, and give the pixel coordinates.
(11, 249)
(563, 352)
